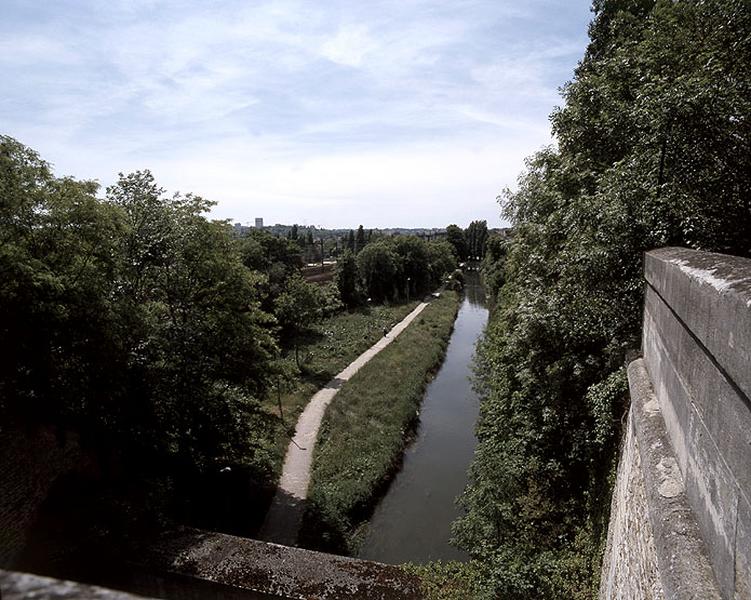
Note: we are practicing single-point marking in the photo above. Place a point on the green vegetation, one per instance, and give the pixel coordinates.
(468, 244)
(449, 580)
(367, 427)
(329, 346)
(402, 267)
(653, 150)
(164, 340)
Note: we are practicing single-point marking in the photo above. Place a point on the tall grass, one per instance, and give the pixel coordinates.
(367, 426)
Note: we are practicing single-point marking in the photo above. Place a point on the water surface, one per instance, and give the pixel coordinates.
(413, 521)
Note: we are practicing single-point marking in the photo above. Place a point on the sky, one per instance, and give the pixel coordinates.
(404, 113)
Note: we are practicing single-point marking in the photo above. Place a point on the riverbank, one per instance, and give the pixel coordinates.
(330, 347)
(367, 427)
(412, 522)
(282, 523)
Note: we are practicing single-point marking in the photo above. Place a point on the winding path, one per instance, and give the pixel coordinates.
(284, 518)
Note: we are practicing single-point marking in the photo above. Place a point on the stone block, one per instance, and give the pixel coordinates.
(711, 294)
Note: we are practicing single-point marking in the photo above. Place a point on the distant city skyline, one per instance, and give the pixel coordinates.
(404, 113)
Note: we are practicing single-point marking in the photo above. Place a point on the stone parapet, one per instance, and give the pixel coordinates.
(686, 461)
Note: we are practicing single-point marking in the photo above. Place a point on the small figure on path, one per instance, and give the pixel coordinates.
(385, 332)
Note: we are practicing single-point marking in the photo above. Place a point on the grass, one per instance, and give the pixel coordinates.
(329, 348)
(236, 502)
(449, 580)
(367, 426)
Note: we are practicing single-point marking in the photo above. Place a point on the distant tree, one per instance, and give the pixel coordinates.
(477, 235)
(278, 258)
(293, 233)
(378, 266)
(441, 260)
(414, 265)
(457, 238)
(347, 279)
(351, 241)
(309, 238)
(359, 239)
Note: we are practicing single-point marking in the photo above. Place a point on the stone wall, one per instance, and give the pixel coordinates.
(255, 569)
(26, 586)
(630, 567)
(689, 435)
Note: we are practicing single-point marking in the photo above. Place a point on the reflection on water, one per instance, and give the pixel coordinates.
(413, 521)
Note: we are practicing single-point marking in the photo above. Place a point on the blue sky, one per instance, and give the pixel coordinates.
(405, 113)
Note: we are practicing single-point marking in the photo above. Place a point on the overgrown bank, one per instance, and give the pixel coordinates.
(328, 348)
(367, 427)
(653, 150)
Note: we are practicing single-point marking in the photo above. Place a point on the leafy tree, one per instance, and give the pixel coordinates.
(441, 260)
(413, 276)
(193, 324)
(351, 241)
(476, 235)
(378, 266)
(652, 151)
(278, 258)
(457, 238)
(359, 239)
(297, 308)
(132, 321)
(493, 264)
(347, 279)
(58, 254)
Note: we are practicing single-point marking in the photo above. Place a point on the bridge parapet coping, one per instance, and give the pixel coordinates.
(267, 570)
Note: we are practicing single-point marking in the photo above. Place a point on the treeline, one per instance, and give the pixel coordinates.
(130, 320)
(469, 244)
(156, 334)
(393, 269)
(653, 150)
(317, 245)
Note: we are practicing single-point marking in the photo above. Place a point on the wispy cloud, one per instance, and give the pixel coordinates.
(393, 112)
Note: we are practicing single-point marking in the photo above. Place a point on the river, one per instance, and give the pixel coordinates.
(413, 520)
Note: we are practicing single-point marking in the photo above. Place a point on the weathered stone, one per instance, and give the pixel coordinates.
(630, 567)
(24, 586)
(684, 566)
(278, 571)
(692, 421)
(697, 348)
(711, 294)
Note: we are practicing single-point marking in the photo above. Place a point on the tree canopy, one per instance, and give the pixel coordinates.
(653, 150)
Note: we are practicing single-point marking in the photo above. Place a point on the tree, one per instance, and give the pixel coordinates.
(133, 320)
(58, 254)
(297, 308)
(413, 277)
(476, 235)
(347, 279)
(457, 238)
(351, 241)
(360, 239)
(378, 266)
(277, 257)
(652, 150)
(441, 260)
